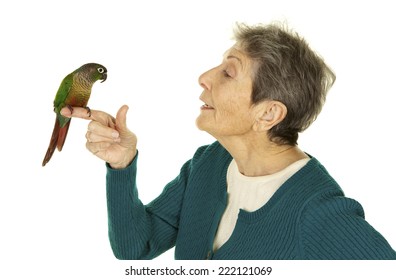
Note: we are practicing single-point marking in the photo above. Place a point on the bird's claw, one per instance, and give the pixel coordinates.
(88, 111)
(70, 108)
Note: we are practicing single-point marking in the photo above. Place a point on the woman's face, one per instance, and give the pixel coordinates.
(227, 91)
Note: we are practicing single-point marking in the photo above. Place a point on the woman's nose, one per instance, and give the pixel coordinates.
(204, 80)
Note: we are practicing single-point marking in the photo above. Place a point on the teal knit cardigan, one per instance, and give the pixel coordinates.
(307, 218)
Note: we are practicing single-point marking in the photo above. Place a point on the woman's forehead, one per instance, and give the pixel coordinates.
(237, 53)
(235, 50)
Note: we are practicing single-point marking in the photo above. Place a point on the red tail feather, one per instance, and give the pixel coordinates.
(57, 140)
(62, 135)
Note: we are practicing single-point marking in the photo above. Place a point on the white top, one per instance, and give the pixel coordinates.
(249, 194)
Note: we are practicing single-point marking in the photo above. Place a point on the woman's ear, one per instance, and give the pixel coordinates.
(269, 114)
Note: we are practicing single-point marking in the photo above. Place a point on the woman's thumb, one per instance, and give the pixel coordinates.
(121, 119)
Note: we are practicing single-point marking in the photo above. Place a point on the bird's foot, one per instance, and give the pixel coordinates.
(70, 108)
(88, 111)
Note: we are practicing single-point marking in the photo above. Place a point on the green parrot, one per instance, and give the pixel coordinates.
(74, 91)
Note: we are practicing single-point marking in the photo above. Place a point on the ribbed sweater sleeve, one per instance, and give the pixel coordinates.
(138, 231)
(334, 228)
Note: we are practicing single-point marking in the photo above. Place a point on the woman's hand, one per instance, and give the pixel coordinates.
(107, 137)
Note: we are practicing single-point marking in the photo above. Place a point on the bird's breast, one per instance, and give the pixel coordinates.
(79, 93)
(78, 98)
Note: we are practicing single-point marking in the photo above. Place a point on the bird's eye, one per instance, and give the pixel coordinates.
(101, 70)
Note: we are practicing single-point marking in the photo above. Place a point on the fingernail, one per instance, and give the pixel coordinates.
(115, 134)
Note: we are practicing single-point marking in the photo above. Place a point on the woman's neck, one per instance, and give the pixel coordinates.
(260, 157)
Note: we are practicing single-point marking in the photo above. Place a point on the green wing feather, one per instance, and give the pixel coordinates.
(63, 92)
(61, 95)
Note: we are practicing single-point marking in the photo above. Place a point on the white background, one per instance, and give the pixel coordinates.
(53, 219)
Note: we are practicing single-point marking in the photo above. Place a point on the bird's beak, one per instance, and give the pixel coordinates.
(104, 77)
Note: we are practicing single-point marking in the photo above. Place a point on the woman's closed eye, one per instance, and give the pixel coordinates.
(226, 74)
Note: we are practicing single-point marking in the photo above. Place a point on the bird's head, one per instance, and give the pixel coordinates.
(95, 71)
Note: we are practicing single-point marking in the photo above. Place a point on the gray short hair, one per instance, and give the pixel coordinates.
(286, 70)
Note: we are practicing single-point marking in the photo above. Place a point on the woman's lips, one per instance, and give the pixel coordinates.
(206, 107)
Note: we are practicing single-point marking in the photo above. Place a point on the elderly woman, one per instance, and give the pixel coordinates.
(253, 194)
